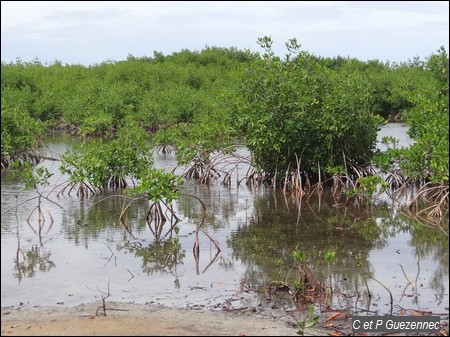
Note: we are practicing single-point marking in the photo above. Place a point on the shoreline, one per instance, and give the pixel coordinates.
(130, 319)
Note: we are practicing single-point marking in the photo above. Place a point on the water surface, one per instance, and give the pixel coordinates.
(86, 252)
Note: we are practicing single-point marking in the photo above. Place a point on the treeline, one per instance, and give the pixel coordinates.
(304, 118)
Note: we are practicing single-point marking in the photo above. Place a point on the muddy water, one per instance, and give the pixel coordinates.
(86, 254)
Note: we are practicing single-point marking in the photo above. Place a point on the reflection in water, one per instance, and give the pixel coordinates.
(158, 257)
(225, 257)
(354, 234)
(27, 262)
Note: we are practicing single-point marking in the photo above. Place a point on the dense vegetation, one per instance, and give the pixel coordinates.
(306, 120)
(299, 115)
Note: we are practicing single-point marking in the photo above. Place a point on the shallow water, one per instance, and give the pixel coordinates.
(87, 253)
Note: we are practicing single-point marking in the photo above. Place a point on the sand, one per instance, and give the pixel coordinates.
(126, 319)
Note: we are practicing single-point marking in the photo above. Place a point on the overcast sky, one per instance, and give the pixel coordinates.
(90, 32)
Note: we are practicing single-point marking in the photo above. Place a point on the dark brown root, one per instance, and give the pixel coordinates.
(83, 189)
(156, 219)
(31, 156)
(163, 149)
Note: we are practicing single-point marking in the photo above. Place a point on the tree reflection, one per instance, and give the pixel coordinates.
(221, 203)
(95, 217)
(279, 225)
(27, 262)
(158, 257)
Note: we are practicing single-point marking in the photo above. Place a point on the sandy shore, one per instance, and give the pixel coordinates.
(139, 320)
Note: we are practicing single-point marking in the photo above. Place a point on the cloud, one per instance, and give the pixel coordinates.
(92, 31)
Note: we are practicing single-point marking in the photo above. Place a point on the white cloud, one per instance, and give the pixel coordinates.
(93, 31)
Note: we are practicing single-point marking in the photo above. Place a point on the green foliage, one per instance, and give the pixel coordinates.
(300, 108)
(429, 122)
(300, 113)
(299, 256)
(307, 322)
(427, 159)
(438, 65)
(370, 185)
(335, 170)
(19, 132)
(391, 88)
(330, 256)
(109, 163)
(158, 185)
(279, 262)
(366, 187)
(33, 179)
(390, 142)
(95, 100)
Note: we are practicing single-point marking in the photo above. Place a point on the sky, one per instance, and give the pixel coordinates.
(92, 32)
